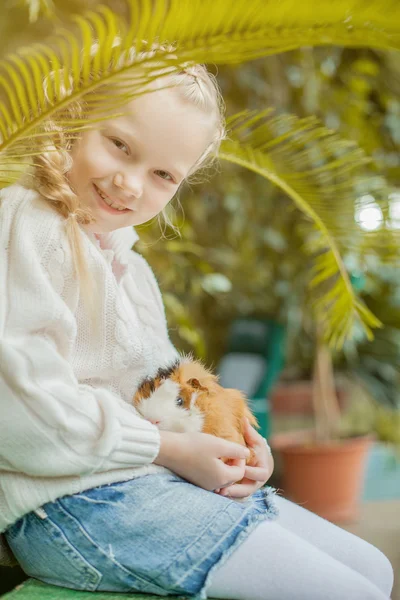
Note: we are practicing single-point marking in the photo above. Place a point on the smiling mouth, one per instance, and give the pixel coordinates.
(117, 208)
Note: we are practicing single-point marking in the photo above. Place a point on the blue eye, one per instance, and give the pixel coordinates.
(179, 401)
(164, 175)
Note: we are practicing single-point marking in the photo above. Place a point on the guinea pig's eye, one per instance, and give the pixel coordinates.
(179, 401)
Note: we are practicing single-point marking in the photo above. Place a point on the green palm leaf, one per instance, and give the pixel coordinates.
(262, 24)
(317, 170)
(204, 30)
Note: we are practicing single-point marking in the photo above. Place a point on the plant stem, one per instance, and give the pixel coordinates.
(326, 405)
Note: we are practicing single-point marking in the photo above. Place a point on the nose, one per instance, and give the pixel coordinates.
(154, 422)
(131, 184)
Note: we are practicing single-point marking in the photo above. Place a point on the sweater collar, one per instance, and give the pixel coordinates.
(120, 241)
(116, 246)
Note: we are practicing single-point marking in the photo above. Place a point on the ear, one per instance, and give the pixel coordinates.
(195, 383)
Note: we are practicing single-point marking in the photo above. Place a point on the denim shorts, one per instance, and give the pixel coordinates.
(156, 534)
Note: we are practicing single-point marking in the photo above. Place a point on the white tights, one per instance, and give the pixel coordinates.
(303, 557)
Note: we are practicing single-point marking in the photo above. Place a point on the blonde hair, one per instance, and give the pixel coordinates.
(49, 173)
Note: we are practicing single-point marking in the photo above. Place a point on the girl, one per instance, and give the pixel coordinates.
(76, 507)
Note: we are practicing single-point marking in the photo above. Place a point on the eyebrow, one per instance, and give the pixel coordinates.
(178, 174)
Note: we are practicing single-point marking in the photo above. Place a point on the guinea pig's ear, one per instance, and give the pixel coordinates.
(195, 383)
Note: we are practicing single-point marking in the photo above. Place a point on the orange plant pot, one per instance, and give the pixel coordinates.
(295, 397)
(326, 478)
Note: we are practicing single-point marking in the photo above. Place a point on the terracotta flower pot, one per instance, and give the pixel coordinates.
(295, 397)
(325, 478)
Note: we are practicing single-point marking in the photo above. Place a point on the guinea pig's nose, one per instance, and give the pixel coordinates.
(154, 422)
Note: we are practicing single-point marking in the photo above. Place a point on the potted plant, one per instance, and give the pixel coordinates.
(322, 470)
(323, 467)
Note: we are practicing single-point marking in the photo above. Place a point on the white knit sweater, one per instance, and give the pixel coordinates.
(67, 423)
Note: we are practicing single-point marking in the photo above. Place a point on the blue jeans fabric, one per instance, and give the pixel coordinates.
(157, 534)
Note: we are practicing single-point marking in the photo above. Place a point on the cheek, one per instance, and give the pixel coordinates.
(157, 200)
(97, 162)
(90, 160)
(158, 409)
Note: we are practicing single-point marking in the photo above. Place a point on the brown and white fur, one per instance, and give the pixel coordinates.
(187, 397)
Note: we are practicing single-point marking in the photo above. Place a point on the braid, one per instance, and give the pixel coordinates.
(49, 180)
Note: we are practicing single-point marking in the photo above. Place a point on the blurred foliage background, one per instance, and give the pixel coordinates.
(240, 251)
(241, 247)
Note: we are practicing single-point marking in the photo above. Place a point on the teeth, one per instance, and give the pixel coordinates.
(109, 202)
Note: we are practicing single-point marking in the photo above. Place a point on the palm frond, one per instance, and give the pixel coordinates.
(262, 25)
(317, 170)
(216, 31)
(39, 83)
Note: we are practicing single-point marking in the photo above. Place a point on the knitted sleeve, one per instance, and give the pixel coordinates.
(51, 424)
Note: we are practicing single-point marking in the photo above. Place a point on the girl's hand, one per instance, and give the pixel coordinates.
(197, 458)
(257, 475)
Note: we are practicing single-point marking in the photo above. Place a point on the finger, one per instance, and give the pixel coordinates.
(260, 459)
(257, 473)
(251, 436)
(239, 490)
(235, 451)
(233, 474)
(236, 462)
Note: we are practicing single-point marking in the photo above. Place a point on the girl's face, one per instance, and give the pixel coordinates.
(137, 161)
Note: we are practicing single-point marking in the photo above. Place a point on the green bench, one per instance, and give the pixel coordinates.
(34, 590)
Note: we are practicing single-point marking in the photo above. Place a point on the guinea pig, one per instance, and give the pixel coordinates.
(187, 397)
